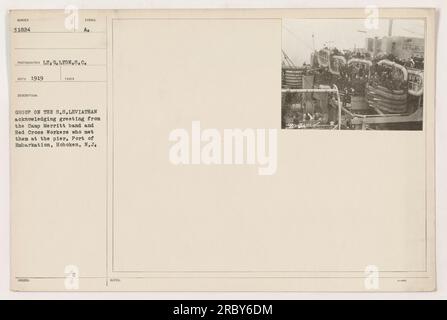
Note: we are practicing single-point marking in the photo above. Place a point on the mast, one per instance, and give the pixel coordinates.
(390, 28)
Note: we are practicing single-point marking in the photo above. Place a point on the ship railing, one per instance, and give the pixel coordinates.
(334, 89)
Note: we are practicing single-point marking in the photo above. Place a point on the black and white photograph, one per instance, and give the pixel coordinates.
(353, 74)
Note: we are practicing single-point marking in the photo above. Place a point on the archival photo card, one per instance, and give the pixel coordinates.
(148, 153)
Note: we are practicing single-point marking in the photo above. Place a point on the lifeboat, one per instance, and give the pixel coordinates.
(356, 76)
(357, 63)
(335, 62)
(415, 82)
(324, 57)
(398, 71)
(385, 99)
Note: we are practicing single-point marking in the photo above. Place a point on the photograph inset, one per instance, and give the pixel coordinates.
(347, 75)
